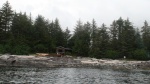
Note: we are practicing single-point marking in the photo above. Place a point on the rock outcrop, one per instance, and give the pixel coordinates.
(68, 61)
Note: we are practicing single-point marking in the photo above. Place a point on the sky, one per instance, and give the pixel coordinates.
(70, 11)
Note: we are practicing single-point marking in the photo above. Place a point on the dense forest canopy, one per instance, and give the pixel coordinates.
(20, 34)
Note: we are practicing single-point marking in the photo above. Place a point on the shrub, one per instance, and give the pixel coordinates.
(112, 54)
(40, 48)
(8, 48)
(140, 54)
(2, 49)
(21, 50)
(5, 48)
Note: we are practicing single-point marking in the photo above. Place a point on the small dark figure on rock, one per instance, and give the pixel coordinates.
(13, 62)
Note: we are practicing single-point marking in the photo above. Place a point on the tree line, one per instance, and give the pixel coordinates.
(20, 34)
(119, 40)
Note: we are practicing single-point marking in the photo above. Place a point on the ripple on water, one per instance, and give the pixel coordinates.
(72, 76)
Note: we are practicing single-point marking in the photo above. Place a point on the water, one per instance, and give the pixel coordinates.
(15, 75)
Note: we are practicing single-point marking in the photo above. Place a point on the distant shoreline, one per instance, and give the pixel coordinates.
(69, 62)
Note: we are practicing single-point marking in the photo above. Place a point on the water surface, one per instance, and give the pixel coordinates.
(16, 75)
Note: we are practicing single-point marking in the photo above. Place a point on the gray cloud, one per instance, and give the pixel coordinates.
(69, 11)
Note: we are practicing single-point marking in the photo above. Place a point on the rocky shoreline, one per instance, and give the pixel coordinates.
(69, 61)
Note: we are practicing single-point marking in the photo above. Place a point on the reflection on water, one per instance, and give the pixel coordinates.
(72, 76)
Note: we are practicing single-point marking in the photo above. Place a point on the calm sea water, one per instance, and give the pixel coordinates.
(15, 75)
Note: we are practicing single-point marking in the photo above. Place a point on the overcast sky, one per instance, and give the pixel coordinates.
(69, 11)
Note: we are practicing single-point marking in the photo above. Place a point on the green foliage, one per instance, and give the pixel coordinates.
(138, 40)
(146, 35)
(112, 54)
(96, 53)
(93, 40)
(18, 49)
(21, 50)
(2, 49)
(82, 39)
(6, 15)
(40, 48)
(19, 34)
(67, 36)
(103, 39)
(8, 48)
(56, 33)
(114, 36)
(5, 49)
(140, 54)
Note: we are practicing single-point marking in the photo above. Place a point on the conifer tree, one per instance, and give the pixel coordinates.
(67, 36)
(114, 36)
(6, 15)
(93, 39)
(146, 35)
(103, 40)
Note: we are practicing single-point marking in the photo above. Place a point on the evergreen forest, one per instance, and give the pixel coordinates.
(20, 34)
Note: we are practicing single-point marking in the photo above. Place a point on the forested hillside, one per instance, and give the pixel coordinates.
(21, 34)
